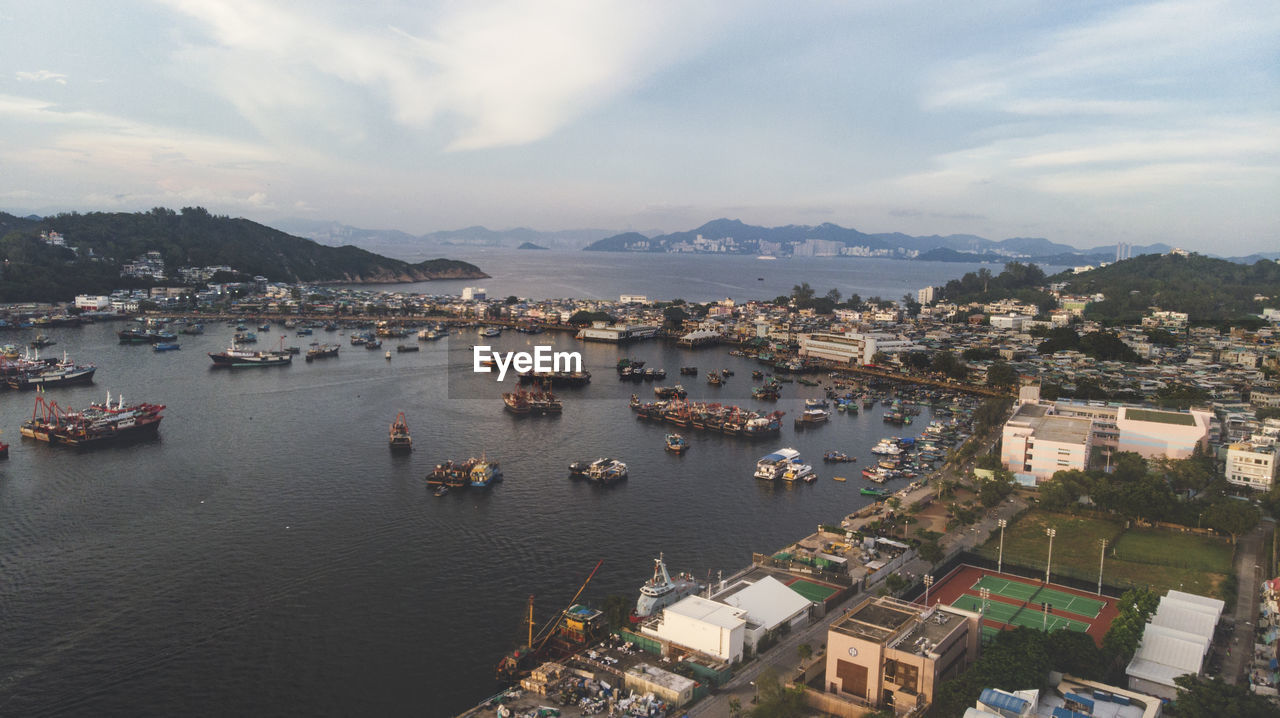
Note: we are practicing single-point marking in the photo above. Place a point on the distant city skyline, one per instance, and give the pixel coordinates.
(1087, 123)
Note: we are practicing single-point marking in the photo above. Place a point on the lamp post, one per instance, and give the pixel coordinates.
(1050, 532)
(985, 593)
(928, 581)
(1101, 560)
(1000, 557)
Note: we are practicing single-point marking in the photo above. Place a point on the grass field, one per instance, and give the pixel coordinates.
(1136, 557)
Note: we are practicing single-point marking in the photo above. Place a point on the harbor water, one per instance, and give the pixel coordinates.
(267, 554)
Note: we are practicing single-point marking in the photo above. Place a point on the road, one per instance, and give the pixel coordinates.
(1248, 576)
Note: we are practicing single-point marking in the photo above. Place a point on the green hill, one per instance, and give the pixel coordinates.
(1205, 288)
(35, 271)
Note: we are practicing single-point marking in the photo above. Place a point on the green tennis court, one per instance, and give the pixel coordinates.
(1079, 605)
(815, 592)
(1007, 613)
(998, 611)
(1019, 591)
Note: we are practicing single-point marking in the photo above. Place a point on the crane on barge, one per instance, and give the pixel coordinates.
(539, 647)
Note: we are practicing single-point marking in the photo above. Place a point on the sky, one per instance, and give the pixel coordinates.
(1083, 122)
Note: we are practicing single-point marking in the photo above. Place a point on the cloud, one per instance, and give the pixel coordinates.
(41, 76)
(485, 74)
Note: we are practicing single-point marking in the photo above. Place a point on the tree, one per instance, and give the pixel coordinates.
(1213, 697)
(774, 700)
(1231, 516)
(1001, 374)
(992, 412)
(735, 707)
(946, 363)
(805, 651)
(583, 316)
(802, 292)
(833, 296)
(674, 316)
(1076, 653)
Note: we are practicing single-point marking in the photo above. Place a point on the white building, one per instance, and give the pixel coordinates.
(769, 606)
(852, 348)
(925, 296)
(473, 294)
(703, 625)
(1175, 643)
(1252, 464)
(1037, 443)
(1013, 322)
(91, 303)
(633, 299)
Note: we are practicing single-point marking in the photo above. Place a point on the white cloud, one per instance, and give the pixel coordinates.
(491, 74)
(41, 76)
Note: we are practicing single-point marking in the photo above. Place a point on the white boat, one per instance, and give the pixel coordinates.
(813, 416)
(887, 447)
(606, 471)
(771, 466)
(662, 591)
(799, 471)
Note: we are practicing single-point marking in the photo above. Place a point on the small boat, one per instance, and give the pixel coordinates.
(484, 473)
(676, 443)
(838, 457)
(165, 346)
(714, 379)
(264, 327)
(402, 348)
(726, 372)
(41, 341)
(812, 416)
(321, 351)
(400, 441)
(868, 491)
(689, 371)
(441, 490)
(799, 471)
(578, 469)
(771, 466)
(388, 355)
(838, 478)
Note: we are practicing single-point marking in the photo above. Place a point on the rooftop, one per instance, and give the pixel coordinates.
(1161, 417)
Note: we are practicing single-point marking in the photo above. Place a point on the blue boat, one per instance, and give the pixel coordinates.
(165, 346)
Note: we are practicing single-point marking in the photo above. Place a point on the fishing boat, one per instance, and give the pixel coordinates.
(245, 338)
(399, 440)
(838, 457)
(676, 443)
(606, 471)
(578, 469)
(670, 392)
(662, 590)
(484, 473)
(96, 425)
(237, 358)
(868, 491)
(43, 374)
(772, 465)
(451, 473)
(322, 351)
(428, 335)
(41, 341)
(441, 490)
(555, 378)
(688, 371)
(402, 348)
(714, 378)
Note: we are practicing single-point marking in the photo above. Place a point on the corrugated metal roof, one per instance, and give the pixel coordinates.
(1003, 702)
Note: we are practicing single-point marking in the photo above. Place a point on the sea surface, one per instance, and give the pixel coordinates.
(267, 555)
(555, 274)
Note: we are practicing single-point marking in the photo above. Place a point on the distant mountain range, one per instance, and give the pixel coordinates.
(734, 237)
(747, 238)
(394, 243)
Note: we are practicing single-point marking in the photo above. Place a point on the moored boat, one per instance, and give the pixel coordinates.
(322, 351)
(237, 358)
(400, 440)
(662, 590)
(96, 425)
(606, 471)
(797, 470)
(676, 443)
(484, 473)
(165, 346)
(772, 465)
